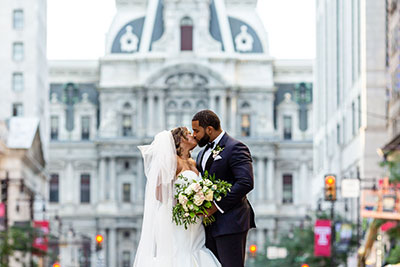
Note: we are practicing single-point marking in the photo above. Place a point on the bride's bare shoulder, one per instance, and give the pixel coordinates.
(192, 161)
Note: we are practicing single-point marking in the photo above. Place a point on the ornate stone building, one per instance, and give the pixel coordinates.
(165, 61)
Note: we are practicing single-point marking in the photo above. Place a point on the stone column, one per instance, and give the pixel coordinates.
(161, 109)
(141, 180)
(233, 116)
(260, 179)
(300, 197)
(150, 113)
(113, 180)
(222, 110)
(102, 180)
(112, 248)
(70, 181)
(213, 105)
(139, 131)
(271, 178)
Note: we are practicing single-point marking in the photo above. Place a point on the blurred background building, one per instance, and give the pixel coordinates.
(350, 93)
(23, 134)
(165, 61)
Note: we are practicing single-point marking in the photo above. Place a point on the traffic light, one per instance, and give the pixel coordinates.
(56, 264)
(4, 189)
(253, 250)
(99, 242)
(330, 187)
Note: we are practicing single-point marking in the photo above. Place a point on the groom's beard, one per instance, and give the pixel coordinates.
(204, 141)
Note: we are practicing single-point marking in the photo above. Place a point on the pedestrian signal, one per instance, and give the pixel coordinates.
(330, 187)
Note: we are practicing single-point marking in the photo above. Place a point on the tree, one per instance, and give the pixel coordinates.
(300, 248)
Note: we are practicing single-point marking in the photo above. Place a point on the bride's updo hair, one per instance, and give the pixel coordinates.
(179, 133)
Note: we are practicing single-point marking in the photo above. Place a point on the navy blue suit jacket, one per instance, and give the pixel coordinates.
(236, 168)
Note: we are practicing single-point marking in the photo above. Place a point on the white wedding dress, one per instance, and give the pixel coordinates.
(192, 251)
(163, 243)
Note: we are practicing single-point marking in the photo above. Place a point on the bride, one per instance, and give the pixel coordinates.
(162, 243)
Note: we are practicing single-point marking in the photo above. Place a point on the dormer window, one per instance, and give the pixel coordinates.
(186, 34)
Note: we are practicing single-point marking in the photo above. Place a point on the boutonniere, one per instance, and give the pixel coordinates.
(217, 150)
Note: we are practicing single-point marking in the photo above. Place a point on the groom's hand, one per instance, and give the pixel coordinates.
(211, 210)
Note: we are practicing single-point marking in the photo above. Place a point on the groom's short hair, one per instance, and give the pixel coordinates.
(207, 118)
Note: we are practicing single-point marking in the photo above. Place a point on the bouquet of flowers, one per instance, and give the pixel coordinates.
(195, 197)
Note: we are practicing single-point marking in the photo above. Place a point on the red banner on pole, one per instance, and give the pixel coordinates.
(42, 230)
(322, 238)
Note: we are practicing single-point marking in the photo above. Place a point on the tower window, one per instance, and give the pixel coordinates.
(186, 34)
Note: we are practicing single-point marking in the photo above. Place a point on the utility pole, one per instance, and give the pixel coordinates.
(333, 233)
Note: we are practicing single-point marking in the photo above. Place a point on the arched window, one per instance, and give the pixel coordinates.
(186, 34)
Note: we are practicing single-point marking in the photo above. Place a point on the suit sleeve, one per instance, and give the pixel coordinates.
(241, 166)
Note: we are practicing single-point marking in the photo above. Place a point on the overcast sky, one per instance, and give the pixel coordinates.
(77, 28)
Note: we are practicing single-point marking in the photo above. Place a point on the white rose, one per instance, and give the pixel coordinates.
(214, 187)
(209, 195)
(195, 187)
(207, 182)
(198, 199)
(186, 214)
(188, 191)
(205, 189)
(183, 199)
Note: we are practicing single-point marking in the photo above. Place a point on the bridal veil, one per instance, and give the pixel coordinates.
(156, 240)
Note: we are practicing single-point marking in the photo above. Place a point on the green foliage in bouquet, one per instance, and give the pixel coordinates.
(195, 197)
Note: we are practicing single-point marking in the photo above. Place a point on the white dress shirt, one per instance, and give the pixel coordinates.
(207, 154)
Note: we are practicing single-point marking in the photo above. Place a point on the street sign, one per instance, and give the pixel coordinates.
(350, 188)
(276, 252)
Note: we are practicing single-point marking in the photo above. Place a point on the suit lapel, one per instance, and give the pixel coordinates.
(221, 143)
(199, 159)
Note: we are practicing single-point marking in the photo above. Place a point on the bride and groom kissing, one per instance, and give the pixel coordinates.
(166, 160)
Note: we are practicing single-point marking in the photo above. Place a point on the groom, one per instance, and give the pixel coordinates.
(229, 160)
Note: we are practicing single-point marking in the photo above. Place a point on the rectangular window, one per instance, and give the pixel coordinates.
(126, 125)
(85, 120)
(85, 188)
(287, 194)
(18, 19)
(18, 82)
(338, 133)
(54, 188)
(126, 259)
(353, 118)
(18, 110)
(287, 127)
(54, 127)
(245, 125)
(126, 192)
(18, 51)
